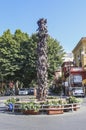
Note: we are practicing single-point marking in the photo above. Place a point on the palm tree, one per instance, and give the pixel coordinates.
(42, 63)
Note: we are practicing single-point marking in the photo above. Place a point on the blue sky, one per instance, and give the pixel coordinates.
(66, 19)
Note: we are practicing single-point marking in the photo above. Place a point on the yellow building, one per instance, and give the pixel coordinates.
(79, 53)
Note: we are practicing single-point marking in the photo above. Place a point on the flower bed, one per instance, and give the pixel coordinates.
(51, 106)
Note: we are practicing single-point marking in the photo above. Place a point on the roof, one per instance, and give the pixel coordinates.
(80, 42)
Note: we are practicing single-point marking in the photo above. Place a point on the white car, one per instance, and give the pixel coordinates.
(24, 91)
(78, 92)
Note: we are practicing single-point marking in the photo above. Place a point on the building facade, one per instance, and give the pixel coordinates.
(68, 57)
(79, 53)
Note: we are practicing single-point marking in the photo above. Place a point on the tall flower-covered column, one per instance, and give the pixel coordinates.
(42, 59)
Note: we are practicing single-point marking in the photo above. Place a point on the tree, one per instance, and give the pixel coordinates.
(18, 57)
(42, 59)
(22, 39)
(55, 55)
(9, 53)
(27, 72)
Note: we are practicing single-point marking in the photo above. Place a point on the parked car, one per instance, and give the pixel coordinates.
(24, 91)
(78, 92)
(9, 93)
(49, 92)
(31, 91)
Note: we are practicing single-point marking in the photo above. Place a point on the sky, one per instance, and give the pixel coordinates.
(66, 19)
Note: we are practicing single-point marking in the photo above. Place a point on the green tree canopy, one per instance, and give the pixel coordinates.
(18, 56)
(9, 53)
(55, 55)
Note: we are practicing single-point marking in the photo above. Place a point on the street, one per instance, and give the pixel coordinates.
(67, 121)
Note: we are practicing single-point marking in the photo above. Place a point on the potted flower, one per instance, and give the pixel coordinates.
(30, 108)
(74, 101)
(54, 107)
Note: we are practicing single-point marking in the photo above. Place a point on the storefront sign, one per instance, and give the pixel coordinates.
(76, 69)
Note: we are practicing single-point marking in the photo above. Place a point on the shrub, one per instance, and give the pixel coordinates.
(72, 99)
(30, 106)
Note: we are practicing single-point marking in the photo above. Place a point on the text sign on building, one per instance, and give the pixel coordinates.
(76, 69)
